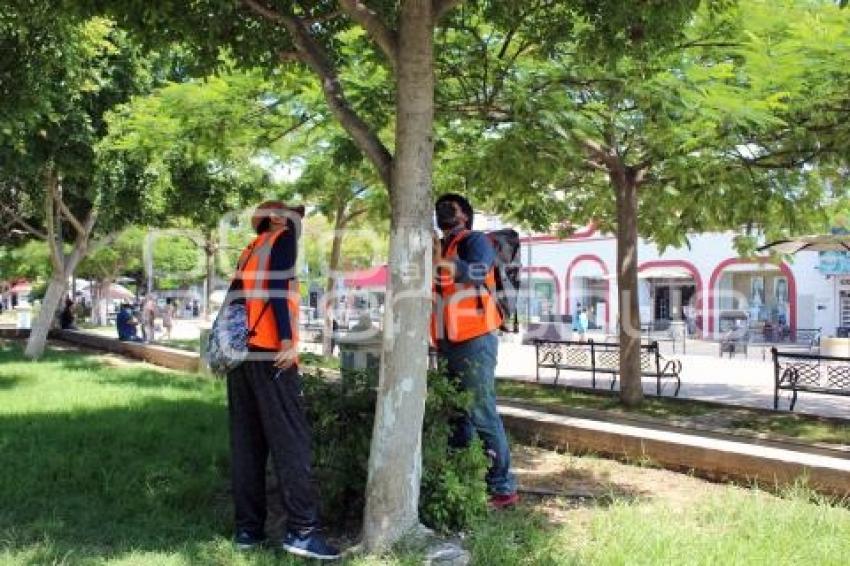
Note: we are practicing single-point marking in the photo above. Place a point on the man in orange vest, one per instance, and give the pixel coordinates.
(466, 318)
(265, 392)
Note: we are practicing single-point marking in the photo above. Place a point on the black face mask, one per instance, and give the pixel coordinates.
(446, 215)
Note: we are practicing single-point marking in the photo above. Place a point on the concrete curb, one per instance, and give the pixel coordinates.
(164, 356)
(713, 458)
(775, 441)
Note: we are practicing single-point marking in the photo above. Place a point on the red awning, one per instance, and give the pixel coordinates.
(21, 287)
(373, 277)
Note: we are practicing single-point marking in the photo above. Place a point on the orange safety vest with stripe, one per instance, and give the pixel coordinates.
(255, 275)
(462, 311)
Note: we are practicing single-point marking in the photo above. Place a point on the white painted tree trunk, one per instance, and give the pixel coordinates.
(52, 298)
(210, 246)
(392, 494)
(330, 298)
(100, 302)
(63, 266)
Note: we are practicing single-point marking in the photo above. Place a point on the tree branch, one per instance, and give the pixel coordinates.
(354, 214)
(595, 148)
(312, 54)
(441, 7)
(332, 15)
(17, 219)
(368, 19)
(595, 165)
(57, 254)
(289, 56)
(66, 212)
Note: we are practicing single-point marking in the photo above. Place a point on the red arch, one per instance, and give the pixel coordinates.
(568, 280)
(783, 267)
(692, 269)
(548, 271)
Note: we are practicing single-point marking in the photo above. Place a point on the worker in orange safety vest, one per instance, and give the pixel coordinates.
(265, 394)
(463, 329)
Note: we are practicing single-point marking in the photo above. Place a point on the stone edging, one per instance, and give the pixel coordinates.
(776, 441)
(712, 458)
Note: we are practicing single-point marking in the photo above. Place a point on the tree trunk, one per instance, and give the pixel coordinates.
(392, 493)
(63, 266)
(52, 299)
(330, 289)
(101, 303)
(209, 251)
(631, 391)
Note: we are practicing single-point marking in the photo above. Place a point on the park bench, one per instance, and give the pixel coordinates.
(739, 340)
(603, 358)
(812, 373)
(735, 341)
(803, 340)
(555, 330)
(665, 331)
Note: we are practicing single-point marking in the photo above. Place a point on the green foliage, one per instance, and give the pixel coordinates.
(177, 261)
(732, 111)
(30, 260)
(453, 493)
(79, 70)
(200, 144)
(122, 256)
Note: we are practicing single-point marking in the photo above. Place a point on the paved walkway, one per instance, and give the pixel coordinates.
(739, 381)
(747, 382)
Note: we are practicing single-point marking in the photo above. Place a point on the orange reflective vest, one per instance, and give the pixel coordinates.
(462, 311)
(255, 277)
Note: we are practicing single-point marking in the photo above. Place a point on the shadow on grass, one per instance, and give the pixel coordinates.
(8, 381)
(12, 351)
(153, 379)
(97, 483)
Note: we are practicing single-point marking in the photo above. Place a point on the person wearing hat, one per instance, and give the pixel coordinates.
(264, 393)
(463, 328)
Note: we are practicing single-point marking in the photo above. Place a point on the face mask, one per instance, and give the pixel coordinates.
(446, 216)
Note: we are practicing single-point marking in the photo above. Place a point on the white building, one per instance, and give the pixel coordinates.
(708, 285)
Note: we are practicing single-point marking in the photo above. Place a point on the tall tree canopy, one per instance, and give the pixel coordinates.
(51, 175)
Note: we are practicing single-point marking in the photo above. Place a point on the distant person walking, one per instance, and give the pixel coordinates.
(67, 319)
(581, 322)
(149, 319)
(168, 318)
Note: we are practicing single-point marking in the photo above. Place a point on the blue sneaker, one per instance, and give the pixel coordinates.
(248, 540)
(311, 545)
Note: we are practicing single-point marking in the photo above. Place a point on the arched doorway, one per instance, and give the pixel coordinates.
(591, 288)
(678, 292)
(759, 294)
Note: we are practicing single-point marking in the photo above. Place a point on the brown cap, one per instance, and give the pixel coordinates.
(271, 207)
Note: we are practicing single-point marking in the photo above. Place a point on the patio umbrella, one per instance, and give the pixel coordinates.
(815, 243)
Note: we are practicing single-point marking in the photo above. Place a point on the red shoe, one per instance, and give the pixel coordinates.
(503, 500)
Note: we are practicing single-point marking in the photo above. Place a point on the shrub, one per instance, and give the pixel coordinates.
(453, 491)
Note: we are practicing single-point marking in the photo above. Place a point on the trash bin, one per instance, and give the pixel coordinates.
(360, 347)
(24, 317)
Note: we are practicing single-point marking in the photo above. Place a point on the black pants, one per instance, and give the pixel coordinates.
(267, 415)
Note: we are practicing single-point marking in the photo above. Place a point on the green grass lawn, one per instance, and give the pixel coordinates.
(189, 344)
(128, 465)
(687, 413)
